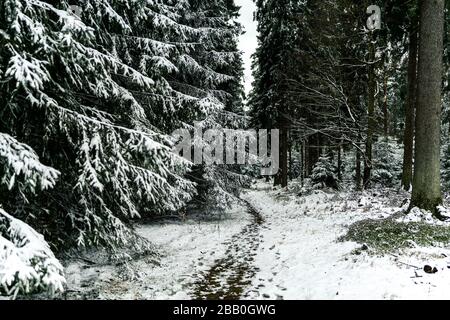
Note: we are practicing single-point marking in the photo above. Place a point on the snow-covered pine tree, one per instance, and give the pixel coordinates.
(324, 173)
(26, 262)
(387, 162)
(101, 92)
(220, 51)
(264, 68)
(220, 82)
(69, 96)
(189, 49)
(275, 70)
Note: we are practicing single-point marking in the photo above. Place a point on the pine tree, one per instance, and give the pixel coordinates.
(387, 162)
(82, 116)
(103, 91)
(218, 185)
(410, 103)
(27, 264)
(96, 94)
(273, 70)
(324, 174)
(426, 184)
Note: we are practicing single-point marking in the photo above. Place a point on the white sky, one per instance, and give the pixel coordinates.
(248, 41)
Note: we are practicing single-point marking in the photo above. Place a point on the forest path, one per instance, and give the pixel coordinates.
(231, 275)
(302, 257)
(278, 245)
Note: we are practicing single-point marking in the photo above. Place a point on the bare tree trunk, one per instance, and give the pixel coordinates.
(316, 151)
(312, 154)
(284, 157)
(339, 162)
(307, 157)
(426, 183)
(385, 107)
(277, 179)
(358, 179)
(290, 175)
(303, 162)
(282, 177)
(371, 114)
(408, 138)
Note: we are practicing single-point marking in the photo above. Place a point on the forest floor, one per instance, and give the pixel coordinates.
(280, 244)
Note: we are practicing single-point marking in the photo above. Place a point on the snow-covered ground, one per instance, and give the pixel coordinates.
(302, 259)
(293, 254)
(186, 248)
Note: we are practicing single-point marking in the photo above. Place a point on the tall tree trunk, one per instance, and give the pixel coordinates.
(277, 179)
(304, 163)
(312, 154)
(426, 183)
(358, 169)
(307, 158)
(408, 138)
(290, 157)
(284, 157)
(282, 177)
(370, 113)
(316, 151)
(339, 161)
(385, 107)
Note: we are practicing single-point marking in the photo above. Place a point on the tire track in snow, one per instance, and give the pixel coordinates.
(231, 275)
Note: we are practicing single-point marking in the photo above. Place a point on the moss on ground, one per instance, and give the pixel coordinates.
(389, 235)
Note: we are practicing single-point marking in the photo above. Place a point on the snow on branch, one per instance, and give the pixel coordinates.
(210, 75)
(21, 161)
(27, 73)
(70, 23)
(27, 264)
(147, 137)
(117, 66)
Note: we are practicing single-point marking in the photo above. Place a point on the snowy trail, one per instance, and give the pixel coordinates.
(187, 249)
(286, 248)
(230, 275)
(301, 258)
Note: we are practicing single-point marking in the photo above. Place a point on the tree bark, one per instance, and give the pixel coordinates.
(385, 107)
(426, 183)
(410, 108)
(277, 179)
(307, 157)
(282, 177)
(339, 161)
(315, 153)
(358, 169)
(284, 157)
(290, 175)
(303, 161)
(371, 114)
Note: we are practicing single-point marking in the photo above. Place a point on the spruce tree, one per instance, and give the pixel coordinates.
(426, 192)
(88, 100)
(273, 69)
